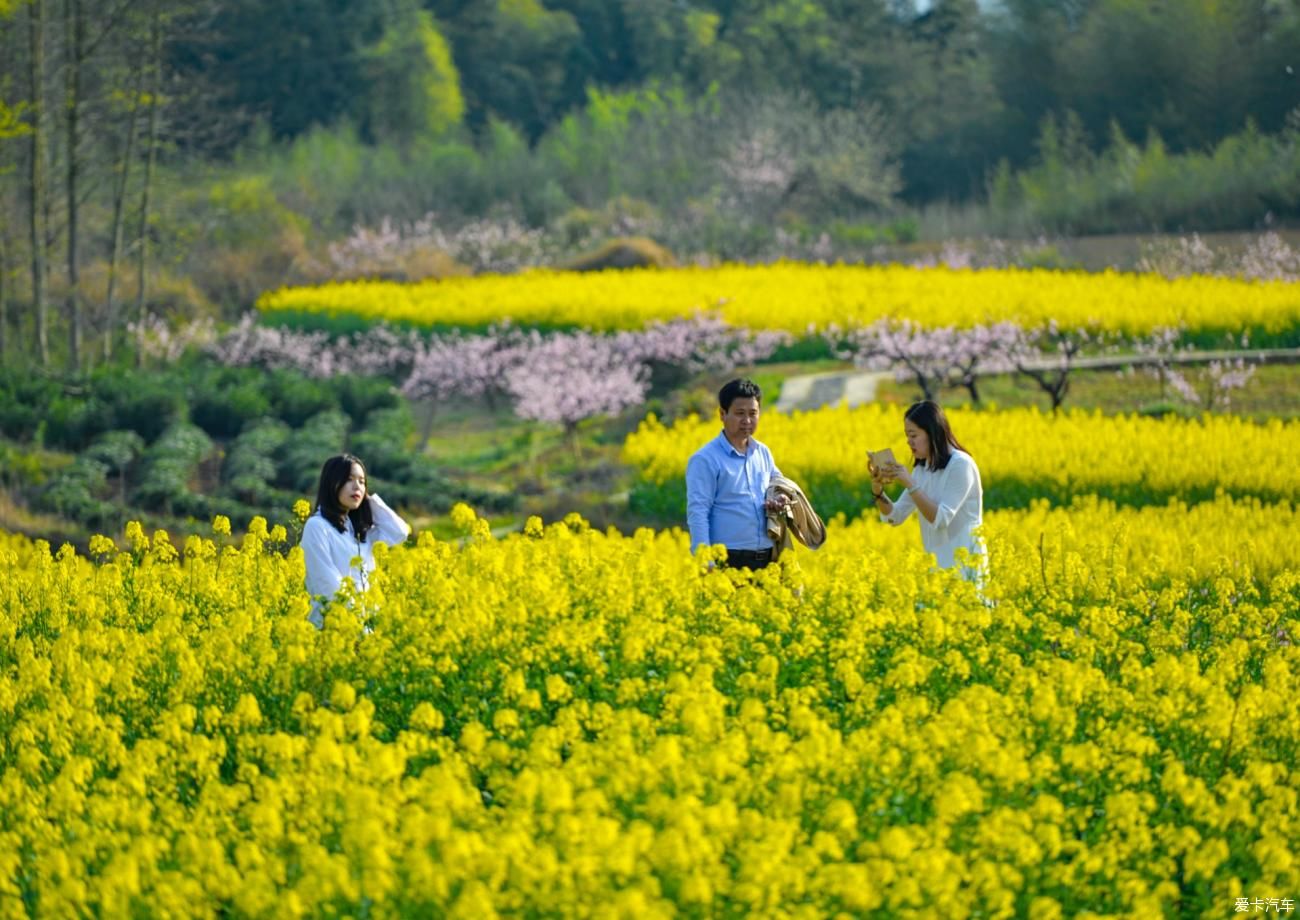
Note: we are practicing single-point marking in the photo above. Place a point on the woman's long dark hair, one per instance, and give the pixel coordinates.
(333, 475)
(927, 416)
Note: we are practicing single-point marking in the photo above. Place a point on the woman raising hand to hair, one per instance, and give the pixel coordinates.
(346, 525)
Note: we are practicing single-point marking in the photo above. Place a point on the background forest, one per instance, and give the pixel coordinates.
(178, 158)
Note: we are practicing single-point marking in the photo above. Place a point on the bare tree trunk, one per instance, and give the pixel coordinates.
(10, 46)
(74, 35)
(37, 190)
(119, 211)
(151, 156)
(1056, 387)
(4, 297)
(115, 252)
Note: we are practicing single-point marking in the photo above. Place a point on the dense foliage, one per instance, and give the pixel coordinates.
(965, 83)
(200, 438)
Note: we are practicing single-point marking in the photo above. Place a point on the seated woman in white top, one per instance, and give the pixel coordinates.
(943, 485)
(346, 526)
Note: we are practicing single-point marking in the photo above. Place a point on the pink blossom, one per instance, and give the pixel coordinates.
(571, 377)
(166, 344)
(933, 358)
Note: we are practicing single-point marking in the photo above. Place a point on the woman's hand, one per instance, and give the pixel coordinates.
(879, 479)
(898, 473)
(881, 475)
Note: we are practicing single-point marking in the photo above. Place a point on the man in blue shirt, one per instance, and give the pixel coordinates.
(727, 479)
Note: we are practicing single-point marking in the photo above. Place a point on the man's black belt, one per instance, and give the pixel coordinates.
(749, 558)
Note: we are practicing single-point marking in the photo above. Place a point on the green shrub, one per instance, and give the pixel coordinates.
(412, 480)
(385, 437)
(250, 470)
(146, 403)
(323, 436)
(111, 415)
(72, 419)
(296, 398)
(169, 466)
(809, 348)
(76, 492)
(360, 396)
(253, 242)
(1136, 187)
(228, 400)
(72, 412)
(21, 468)
(24, 402)
(626, 252)
(117, 450)
(868, 233)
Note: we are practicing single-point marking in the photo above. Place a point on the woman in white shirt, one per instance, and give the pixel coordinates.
(338, 539)
(943, 485)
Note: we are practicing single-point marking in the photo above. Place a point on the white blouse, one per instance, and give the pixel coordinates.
(957, 491)
(329, 554)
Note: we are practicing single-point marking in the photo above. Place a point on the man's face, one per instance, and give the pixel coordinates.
(740, 420)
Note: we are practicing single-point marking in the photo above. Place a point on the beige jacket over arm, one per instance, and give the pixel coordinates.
(798, 519)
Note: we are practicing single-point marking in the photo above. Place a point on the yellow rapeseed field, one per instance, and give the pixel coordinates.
(1023, 455)
(798, 297)
(568, 722)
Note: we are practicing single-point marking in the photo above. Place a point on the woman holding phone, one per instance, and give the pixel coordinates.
(943, 486)
(338, 539)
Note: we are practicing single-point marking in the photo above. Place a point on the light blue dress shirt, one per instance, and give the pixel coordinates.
(726, 495)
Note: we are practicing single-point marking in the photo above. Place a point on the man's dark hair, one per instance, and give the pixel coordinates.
(740, 388)
(333, 475)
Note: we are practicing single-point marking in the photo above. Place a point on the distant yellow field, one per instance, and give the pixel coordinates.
(800, 297)
(1023, 455)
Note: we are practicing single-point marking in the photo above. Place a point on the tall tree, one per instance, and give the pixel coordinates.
(947, 106)
(37, 192)
(842, 53)
(1278, 67)
(74, 37)
(155, 64)
(513, 57)
(414, 88)
(4, 295)
(11, 126)
(1025, 38)
(1188, 69)
(308, 76)
(121, 183)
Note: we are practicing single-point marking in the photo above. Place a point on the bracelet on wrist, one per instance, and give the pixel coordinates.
(911, 490)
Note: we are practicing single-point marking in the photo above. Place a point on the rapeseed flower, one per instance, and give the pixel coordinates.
(542, 723)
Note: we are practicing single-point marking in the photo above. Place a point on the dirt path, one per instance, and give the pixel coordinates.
(812, 391)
